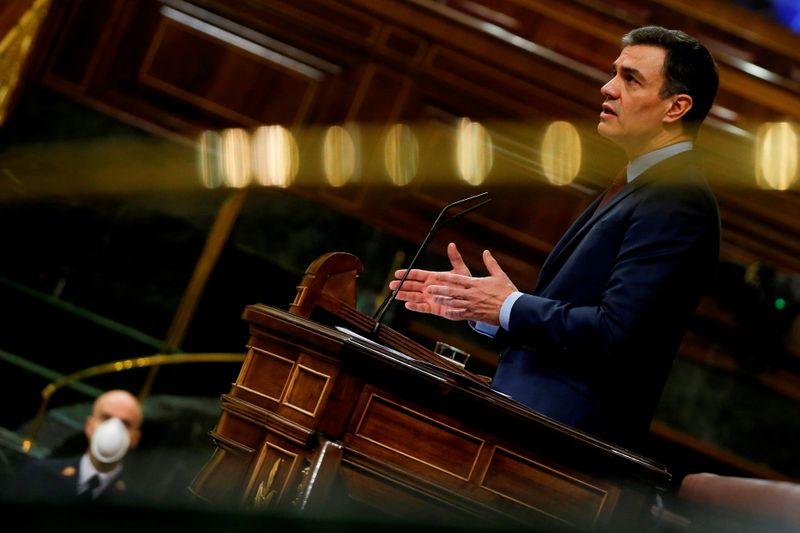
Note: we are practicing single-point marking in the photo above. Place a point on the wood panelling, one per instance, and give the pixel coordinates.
(414, 435)
(402, 45)
(235, 425)
(229, 468)
(368, 486)
(260, 364)
(505, 89)
(10, 13)
(378, 96)
(510, 476)
(239, 407)
(198, 68)
(567, 27)
(87, 28)
(308, 388)
(334, 20)
(764, 224)
(274, 469)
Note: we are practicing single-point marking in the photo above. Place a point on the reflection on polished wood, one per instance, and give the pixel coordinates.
(322, 418)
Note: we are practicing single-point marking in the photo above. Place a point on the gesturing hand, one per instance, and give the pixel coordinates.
(456, 295)
(414, 291)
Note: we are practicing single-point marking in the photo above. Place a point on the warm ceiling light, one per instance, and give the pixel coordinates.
(401, 154)
(776, 156)
(561, 153)
(275, 156)
(339, 156)
(209, 161)
(236, 157)
(474, 154)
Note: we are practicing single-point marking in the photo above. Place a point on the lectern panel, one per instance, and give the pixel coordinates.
(267, 373)
(271, 475)
(306, 390)
(409, 433)
(238, 429)
(540, 487)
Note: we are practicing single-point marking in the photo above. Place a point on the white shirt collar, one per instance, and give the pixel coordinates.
(86, 470)
(638, 166)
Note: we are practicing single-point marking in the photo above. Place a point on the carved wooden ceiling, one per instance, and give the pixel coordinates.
(179, 68)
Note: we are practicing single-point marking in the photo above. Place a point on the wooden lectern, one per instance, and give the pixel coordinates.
(322, 418)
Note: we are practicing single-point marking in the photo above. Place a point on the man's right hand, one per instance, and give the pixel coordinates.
(414, 291)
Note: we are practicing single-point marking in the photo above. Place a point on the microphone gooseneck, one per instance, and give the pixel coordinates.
(437, 225)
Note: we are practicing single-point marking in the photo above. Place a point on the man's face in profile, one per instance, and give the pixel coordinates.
(633, 112)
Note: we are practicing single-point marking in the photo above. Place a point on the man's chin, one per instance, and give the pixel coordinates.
(605, 130)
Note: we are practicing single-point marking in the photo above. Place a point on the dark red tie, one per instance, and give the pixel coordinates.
(619, 180)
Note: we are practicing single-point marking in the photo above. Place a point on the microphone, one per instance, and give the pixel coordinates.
(439, 223)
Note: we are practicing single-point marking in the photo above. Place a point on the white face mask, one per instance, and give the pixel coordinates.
(110, 441)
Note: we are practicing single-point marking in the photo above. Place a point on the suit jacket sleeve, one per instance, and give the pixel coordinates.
(646, 262)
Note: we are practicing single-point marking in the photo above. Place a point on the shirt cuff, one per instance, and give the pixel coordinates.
(505, 315)
(505, 310)
(483, 328)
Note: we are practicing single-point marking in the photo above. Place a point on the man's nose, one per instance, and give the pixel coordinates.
(609, 90)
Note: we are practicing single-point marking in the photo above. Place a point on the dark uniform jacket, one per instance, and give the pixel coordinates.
(56, 481)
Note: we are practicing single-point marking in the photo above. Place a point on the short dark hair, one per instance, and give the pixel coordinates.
(688, 69)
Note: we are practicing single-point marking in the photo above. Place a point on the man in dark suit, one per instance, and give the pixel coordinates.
(96, 476)
(592, 345)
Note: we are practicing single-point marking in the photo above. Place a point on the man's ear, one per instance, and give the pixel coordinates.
(88, 427)
(681, 104)
(135, 435)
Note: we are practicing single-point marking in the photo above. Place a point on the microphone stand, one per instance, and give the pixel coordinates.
(437, 225)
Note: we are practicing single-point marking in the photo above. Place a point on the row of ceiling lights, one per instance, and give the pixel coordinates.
(269, 156)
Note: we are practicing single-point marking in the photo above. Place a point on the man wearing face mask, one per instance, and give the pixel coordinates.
(97, 476)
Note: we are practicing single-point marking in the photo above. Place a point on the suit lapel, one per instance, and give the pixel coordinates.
(592, 215)
(568, 236)
(576, 232)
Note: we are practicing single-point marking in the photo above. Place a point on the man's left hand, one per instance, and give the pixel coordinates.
(472, 298)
